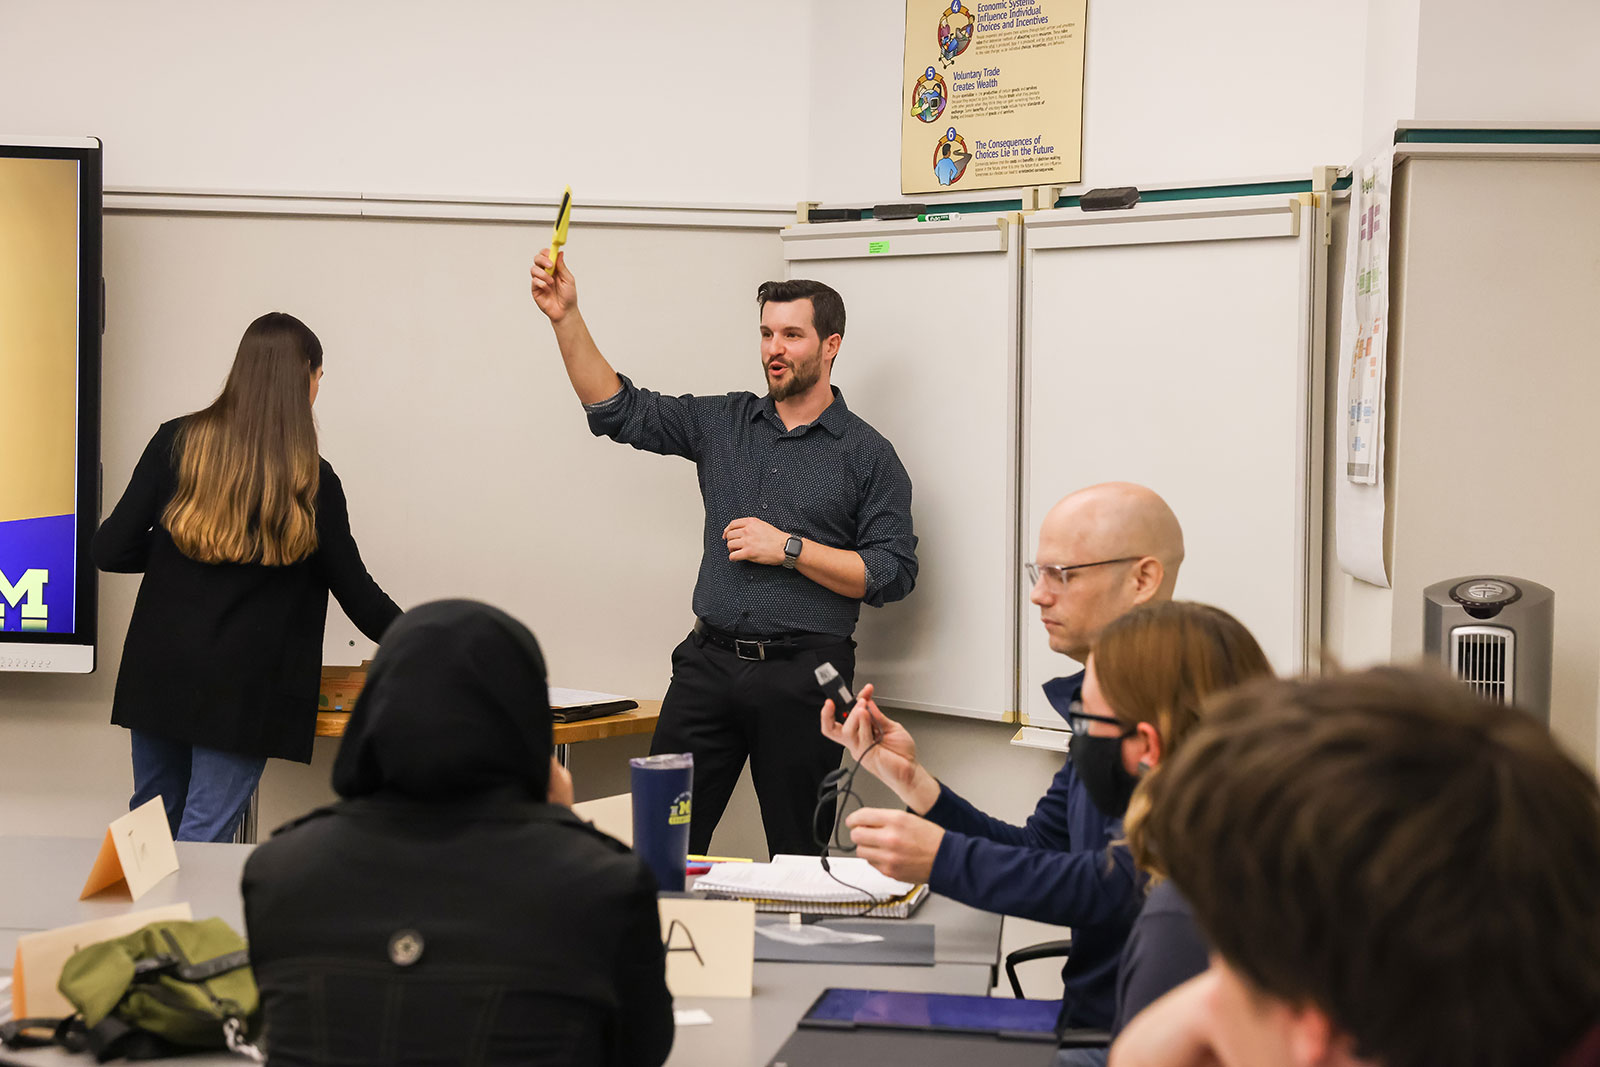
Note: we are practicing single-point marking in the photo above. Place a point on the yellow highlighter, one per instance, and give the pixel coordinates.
(559, 238)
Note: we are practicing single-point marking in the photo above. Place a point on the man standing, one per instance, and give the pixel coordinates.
(1102, 552)
(808, 514)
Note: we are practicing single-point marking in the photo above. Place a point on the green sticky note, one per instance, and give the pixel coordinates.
(877, 248)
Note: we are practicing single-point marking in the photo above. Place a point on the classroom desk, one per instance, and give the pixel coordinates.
(641, 720)
(742, 1032)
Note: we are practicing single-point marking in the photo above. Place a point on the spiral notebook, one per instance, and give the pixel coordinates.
(799, 884)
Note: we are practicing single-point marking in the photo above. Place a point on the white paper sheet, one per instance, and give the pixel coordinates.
(1363, 354)
(572, 698)
(801, 879)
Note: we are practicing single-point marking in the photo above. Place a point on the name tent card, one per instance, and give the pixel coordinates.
(138, 850)
(40, 957)
(711, 946)
(609, 815)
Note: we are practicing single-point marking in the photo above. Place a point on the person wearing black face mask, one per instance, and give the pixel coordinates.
(1146, 687)
(1098, 761)
(451, 908)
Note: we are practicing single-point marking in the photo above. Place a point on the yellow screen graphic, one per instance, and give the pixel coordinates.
(38, 336)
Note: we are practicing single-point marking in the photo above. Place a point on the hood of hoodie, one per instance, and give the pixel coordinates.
(455, 705)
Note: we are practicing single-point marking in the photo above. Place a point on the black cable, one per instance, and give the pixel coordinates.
(838, 786)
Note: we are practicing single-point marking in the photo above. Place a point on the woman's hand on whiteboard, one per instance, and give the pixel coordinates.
(893, 760)
(555, 293)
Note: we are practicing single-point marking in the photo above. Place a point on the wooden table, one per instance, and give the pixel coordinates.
(641, 720)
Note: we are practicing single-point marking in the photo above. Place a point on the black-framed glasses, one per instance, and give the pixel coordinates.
(1079, 720)
(1058, 571)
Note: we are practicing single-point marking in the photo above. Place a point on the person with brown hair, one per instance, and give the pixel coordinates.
(807, 518)
(1392, 871)
(241, 530)
(1149, 680)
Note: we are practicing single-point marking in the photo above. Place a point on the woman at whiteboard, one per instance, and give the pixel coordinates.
(241, 531)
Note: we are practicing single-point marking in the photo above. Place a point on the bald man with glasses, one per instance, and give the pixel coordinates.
(1102, 552)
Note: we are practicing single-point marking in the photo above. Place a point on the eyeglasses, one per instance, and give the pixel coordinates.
(1057, 572)
(1079, 720)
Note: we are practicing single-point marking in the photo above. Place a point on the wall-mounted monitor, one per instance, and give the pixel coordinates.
(50, 324)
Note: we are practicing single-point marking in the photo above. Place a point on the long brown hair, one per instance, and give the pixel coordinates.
(1162, 663)
(248, 464)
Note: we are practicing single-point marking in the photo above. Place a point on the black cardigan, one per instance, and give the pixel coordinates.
(491, 931)
(229, 656)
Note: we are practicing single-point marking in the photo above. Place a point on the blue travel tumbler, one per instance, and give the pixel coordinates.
(662, 787)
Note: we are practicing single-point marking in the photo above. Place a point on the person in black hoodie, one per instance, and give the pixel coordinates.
(451, 908)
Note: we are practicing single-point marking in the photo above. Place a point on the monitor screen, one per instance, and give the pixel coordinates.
(50, 323)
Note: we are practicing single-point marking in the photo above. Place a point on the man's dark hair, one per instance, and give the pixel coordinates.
(946, 148)
(827, 306)
(1418, 864)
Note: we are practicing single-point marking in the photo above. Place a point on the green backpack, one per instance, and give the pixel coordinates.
(168, 987)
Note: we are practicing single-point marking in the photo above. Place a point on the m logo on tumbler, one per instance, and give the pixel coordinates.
(27, 597)
(679, 813)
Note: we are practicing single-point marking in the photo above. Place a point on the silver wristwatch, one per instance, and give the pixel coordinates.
(791, 552)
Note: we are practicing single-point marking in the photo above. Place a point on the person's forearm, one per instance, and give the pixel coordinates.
(838, 570)
(591, 376)
(922, 794)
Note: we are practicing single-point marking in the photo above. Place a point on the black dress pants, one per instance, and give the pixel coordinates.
(723, 709)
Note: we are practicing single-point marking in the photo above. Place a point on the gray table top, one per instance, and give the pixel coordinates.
(742, 1032)
(47, 897)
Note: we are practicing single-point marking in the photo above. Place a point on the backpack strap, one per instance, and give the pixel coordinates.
(15, 1034)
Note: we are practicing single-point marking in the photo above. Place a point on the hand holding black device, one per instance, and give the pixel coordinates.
(832, 684)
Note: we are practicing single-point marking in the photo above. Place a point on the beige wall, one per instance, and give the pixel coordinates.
(1490, 427)
(1495, 428)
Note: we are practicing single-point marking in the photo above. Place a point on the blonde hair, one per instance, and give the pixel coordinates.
(248, 465)
(1163, 663)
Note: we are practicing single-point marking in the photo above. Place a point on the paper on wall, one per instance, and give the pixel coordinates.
(1359, 512)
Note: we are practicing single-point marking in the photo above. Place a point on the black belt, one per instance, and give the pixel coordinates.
(764, 648)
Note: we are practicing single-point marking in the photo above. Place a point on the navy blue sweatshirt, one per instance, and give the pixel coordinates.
(1058, 867)
(1165, 950)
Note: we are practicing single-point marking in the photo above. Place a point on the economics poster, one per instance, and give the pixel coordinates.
(993, 94)
(39, 387)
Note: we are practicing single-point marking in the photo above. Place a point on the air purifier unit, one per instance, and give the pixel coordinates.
(1496, 635)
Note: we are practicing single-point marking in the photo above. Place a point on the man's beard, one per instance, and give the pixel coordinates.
(801, 376)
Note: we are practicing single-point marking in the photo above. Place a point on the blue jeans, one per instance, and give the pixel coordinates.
(204, 791)
(1081, 1057)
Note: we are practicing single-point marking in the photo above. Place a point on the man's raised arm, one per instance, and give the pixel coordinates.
(557, 296)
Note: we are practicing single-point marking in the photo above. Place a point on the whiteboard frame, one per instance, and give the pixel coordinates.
(1222, 219)
(999, 233)
(134, 200)
(855, 240)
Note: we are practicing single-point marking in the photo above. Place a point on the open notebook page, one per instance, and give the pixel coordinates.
(801, 878)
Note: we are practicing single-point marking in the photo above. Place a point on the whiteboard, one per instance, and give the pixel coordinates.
(445, 410)
(1179, 346)
(930, 359)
